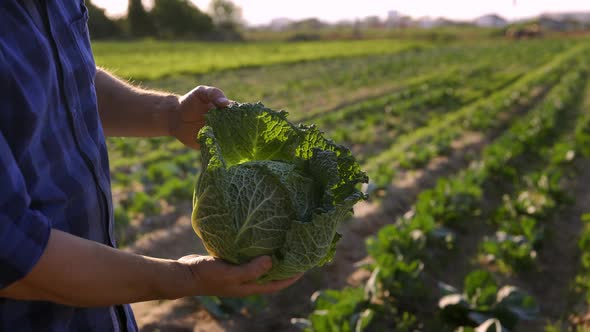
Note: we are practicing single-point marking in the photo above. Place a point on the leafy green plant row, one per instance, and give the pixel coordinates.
(152, 60)
(520, 221)
(481, 115)
(169, 180)
(483, 305)
(455, 201)
(315, 81)
(128, 152)
(412, 89)
(581, 286)
(309, 90)
(311, 81)
(152, 161)
(424, 90)
(582, 281)
(527, 137)
(582, 132)
(148, 172)
(411, 69)
(275, 82)
(520, 218)
(399, 250)
(376, 123)
(160, 167)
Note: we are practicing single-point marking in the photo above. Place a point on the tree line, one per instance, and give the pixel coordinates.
(168, 19)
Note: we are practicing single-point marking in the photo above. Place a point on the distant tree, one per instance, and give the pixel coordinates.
(313, 24)
(226, 15)
(139, 21)
(372, 22)
(100, 26)
(180, 19)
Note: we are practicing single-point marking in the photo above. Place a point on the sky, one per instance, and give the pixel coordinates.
(263, 11)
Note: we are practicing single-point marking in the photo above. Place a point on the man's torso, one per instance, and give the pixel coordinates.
(48, 116)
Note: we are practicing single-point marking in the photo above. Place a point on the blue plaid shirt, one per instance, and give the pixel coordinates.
(54, 170)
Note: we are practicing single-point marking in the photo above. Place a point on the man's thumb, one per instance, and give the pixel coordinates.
(255, 268)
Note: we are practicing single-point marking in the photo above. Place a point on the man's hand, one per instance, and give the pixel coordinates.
(128, 111)
(189, 115)
(212, 276)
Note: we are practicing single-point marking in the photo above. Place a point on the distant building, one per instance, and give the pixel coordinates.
(582, 17)
(396, 20)
(491, 21)
(429, 22)
(280, 24)
(308, 24)
(393, 15)
(552, 24)
(373, 22)
(426, 22)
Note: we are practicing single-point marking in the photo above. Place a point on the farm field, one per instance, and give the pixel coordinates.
(152, 60)
(478, 155)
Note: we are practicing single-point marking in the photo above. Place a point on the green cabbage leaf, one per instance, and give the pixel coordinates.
(268, 187)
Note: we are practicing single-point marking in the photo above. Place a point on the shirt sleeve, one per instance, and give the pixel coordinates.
(24, 232)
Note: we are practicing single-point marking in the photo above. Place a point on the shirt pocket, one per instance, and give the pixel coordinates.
(81, 36)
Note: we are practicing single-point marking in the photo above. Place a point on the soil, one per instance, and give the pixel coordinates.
(558, 265)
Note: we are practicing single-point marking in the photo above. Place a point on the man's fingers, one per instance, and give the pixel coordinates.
(217, 97)
(211, 95)
(254, 269)
(271, 287)
(222, 102)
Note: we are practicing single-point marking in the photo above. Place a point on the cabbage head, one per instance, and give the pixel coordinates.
(268, 187)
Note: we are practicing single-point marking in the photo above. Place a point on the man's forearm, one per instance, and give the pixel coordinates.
(126, 110)
(79, 272)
